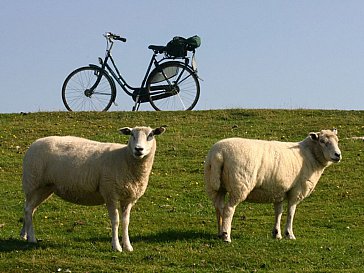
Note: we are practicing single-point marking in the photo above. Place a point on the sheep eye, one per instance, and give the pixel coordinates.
(325, 141)
(150, 136)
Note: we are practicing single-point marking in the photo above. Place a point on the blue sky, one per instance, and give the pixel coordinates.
(254, 54)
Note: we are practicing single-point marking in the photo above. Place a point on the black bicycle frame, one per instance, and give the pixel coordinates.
(139, 94)
(117, 76)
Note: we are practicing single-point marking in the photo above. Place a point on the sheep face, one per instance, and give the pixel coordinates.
(141, 141)
(329, 143)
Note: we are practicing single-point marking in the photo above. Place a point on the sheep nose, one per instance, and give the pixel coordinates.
(337, 157)
(139, 149)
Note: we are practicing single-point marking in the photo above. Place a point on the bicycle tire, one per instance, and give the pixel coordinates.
(75, 89)
(177, 88)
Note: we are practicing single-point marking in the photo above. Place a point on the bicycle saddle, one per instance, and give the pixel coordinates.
(157, 49)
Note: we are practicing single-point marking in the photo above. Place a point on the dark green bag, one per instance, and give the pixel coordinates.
(178, 46)
(193, 42)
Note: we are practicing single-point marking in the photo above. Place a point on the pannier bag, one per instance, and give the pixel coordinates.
(179, 46)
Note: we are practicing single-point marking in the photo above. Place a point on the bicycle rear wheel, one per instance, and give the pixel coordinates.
(78, 96)
(173, 86)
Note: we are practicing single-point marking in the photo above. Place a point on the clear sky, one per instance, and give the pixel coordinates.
(254, 54)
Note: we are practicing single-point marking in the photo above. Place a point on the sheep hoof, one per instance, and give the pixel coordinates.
(276, 234)
(225, 237)
(117, 248)
(128, 248)
(277, 237)
(23, 236)
(290, 236)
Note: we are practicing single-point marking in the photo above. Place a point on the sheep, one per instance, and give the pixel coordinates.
(266, 172)
(89, 173)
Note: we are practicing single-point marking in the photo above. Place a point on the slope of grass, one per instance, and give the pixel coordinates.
(173, 225)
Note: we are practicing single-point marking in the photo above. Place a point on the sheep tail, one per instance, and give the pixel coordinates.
(213, 171)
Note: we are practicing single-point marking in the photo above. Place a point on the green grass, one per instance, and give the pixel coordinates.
(172, 226)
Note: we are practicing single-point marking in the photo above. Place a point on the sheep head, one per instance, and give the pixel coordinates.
(329, 144)
(141, 141)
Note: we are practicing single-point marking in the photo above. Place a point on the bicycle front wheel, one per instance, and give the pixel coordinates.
(78, 96)
(173, 86)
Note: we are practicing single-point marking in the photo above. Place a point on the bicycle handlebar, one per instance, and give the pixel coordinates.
(111, 36)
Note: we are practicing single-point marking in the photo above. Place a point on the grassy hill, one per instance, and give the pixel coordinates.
(172, 226)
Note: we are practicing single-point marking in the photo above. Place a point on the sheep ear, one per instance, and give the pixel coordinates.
(159, 131)
(314, 136)
(334, 130)
(125, 131)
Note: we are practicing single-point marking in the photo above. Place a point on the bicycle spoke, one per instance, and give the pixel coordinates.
(185, 78)
(77, 94)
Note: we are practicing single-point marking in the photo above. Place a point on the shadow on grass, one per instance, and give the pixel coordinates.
(162, 236)
(174, 236)
(11, 244)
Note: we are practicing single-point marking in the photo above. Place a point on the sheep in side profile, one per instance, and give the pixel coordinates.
(90, 173)
(266, 172)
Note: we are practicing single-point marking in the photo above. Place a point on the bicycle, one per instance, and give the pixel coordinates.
(172, 84)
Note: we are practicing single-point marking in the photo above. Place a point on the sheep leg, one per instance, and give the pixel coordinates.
(227, 218)
(289, 225)
(33, 200)
(278, 210)
(125, 226)
(219, 207)
(114, 217)
(27, 231)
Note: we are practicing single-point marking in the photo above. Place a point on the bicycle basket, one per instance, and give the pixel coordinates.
(168, 72)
